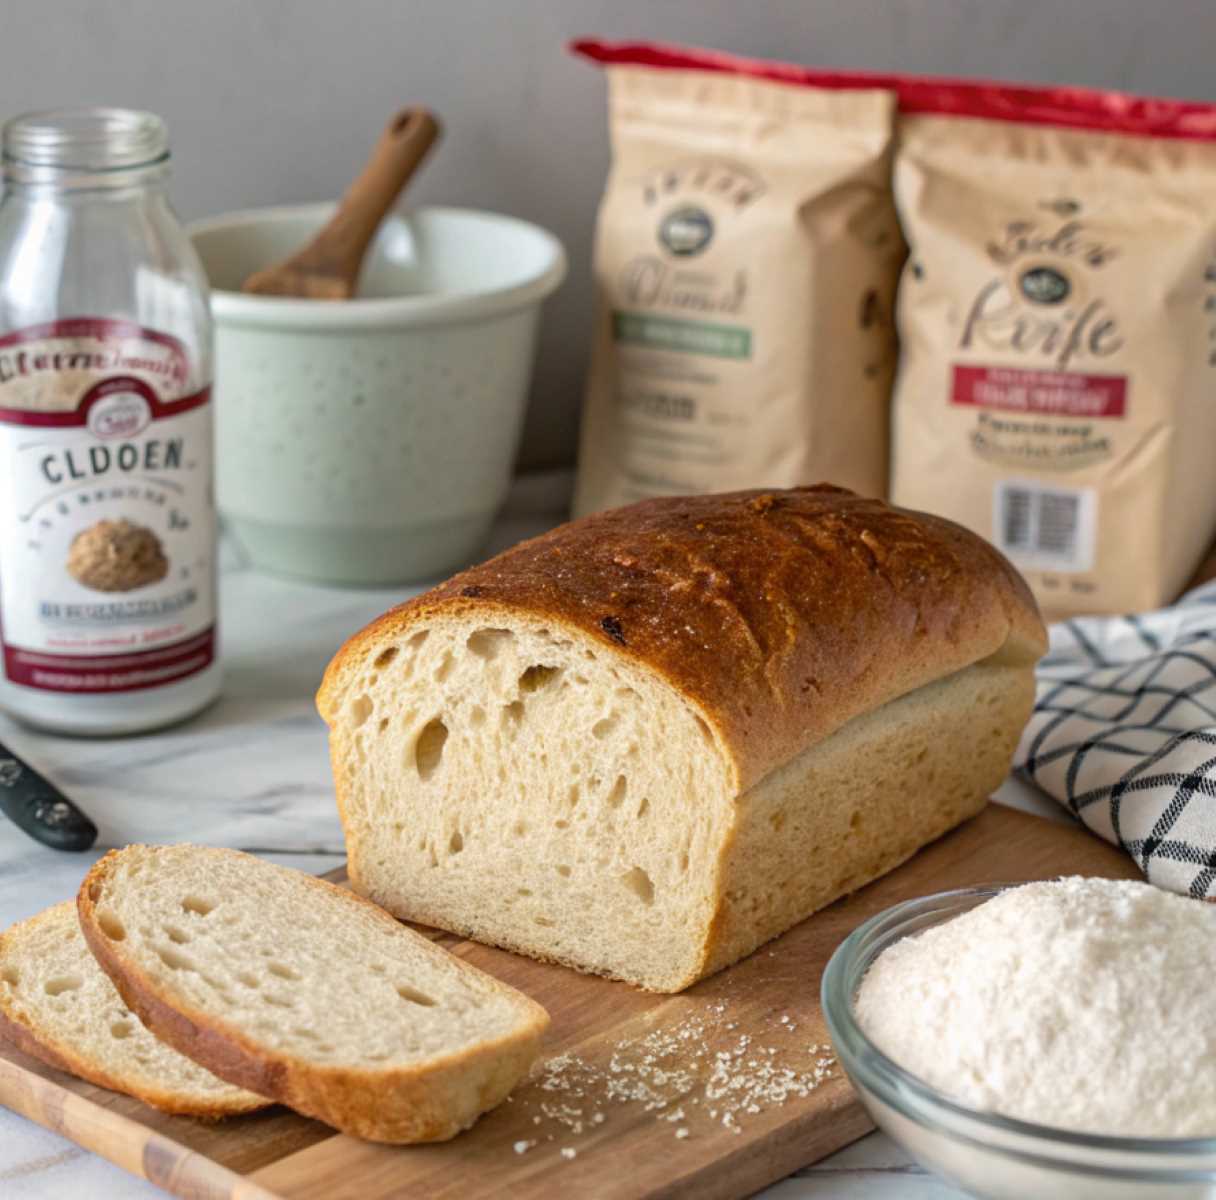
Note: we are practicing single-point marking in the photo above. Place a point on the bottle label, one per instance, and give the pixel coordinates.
(107, 515)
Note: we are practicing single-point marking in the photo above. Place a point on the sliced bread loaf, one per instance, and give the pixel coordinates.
(57, 1005)
(648, 741)
(302, 991)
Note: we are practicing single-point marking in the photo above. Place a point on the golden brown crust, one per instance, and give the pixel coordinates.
(779, 615)
(29, 1041)
(403, 1104)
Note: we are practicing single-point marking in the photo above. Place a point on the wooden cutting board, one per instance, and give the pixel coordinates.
(763, 1010)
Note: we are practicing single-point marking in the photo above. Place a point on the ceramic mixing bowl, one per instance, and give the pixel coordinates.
(371, 441)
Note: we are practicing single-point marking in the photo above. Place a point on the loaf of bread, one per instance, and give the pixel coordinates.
(649, 741)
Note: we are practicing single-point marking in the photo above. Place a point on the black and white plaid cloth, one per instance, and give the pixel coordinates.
(1124, 735)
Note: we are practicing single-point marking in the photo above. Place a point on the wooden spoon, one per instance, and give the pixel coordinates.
(328, 267)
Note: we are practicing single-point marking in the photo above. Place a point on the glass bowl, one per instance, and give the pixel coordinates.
(990, 1156)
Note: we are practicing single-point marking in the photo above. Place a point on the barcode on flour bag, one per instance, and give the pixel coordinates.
(1045, 528)
(1056, 318)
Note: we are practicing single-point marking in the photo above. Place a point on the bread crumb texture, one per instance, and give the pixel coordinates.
(1083, 1004)
(292, 986)
(56, 1003)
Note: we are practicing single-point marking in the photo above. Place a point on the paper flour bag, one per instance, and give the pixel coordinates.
(1057, 319)
(746, 259)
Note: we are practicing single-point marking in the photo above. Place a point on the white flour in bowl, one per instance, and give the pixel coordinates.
(1083, 1004)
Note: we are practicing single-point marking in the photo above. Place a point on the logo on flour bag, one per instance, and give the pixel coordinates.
(106, 511)
(692, 201)
(686, 231)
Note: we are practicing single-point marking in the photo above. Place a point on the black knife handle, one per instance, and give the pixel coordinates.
(38, 807)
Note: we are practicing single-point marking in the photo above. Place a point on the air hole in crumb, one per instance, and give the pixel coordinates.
(376, 968)
(277, 1001)
(121, 1029)
(855, 822)
(385, 657)
(111, 926)
(415, 643)
(486, 643)
(536, 677)
(684, 861)
(248, 978)
(177, 934)
(283, 971)
(174, 959)
(302, 1031)
(602, 728)
(644, 806)
(414, 996)
(62, 983)
(639, 883)
(383, 724)
(545, 922)
(10, 975)
(360, 710)
(573, 796)
(524, 891)
(777, 821)
(519, 828)
(618, 791)
(513, 713)
(477, 716)
(445, 667)
(564, 872)
(456, 842)
(560, 824)
(428, 748)
(196, 904)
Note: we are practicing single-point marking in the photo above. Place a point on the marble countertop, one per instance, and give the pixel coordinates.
(252, 772)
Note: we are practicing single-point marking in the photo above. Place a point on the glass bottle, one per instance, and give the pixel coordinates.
(107, 518)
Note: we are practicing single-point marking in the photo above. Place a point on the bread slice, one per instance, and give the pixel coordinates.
(300, 990)
(652, 739)
(57, 1005)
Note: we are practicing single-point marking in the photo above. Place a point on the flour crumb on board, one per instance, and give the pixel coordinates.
(522, 1147)
(703, 1067)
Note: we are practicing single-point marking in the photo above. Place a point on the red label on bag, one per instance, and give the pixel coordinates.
(1047, 393)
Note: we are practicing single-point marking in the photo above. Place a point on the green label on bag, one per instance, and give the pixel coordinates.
(691, 337)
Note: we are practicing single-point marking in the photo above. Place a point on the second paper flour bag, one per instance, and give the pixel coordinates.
(1057, 319)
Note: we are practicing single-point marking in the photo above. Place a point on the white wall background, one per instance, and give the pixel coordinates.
(275, 101)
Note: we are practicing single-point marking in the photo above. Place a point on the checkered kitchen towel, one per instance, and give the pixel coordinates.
(1124, 735)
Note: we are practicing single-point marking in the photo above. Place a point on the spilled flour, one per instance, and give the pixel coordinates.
(699, 1073)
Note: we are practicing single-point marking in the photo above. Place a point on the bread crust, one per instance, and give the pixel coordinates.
(393, 1104)
(28, 1039)
(778, 615)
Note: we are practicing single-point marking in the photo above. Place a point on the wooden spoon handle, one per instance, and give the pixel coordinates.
(402, 146)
